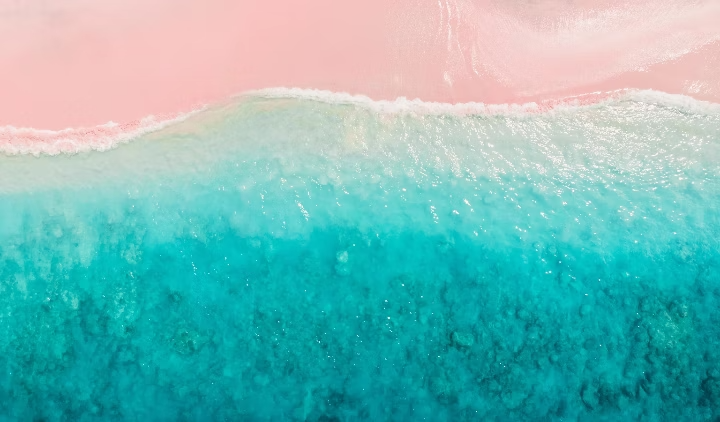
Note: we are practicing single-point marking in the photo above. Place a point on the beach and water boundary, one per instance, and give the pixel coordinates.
(282, 257)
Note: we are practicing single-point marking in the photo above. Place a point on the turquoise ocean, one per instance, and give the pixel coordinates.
(313, 256)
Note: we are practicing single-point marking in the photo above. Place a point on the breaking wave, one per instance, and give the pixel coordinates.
(31, 141)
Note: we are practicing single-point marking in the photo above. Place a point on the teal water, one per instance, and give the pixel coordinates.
(287, 259)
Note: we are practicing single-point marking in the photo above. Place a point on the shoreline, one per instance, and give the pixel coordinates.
(41, 142)
(85, 65)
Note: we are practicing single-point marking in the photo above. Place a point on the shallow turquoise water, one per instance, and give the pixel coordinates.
(297, 260)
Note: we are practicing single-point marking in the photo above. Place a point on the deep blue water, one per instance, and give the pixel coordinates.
(295, 260)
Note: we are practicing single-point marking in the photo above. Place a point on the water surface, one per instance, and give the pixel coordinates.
(289, 259)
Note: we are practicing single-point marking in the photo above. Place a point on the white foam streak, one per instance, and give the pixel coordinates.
(20, 141)
(403, 105)
(26, 141)
(399, 105)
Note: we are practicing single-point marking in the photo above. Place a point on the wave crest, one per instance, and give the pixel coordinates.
(417, 106)
(30, 141)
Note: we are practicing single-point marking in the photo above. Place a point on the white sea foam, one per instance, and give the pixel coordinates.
(417, 106)
(677, 101)
(21, 141)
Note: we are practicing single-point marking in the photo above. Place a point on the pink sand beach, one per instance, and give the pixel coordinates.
(80, 63)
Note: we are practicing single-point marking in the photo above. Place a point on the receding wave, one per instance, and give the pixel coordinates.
(404, 105)
(23, 140)
(31, 141)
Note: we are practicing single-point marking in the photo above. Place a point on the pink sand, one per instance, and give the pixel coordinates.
(84, 63)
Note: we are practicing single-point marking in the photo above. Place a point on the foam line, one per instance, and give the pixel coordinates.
(19, 141)
(417, 106)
